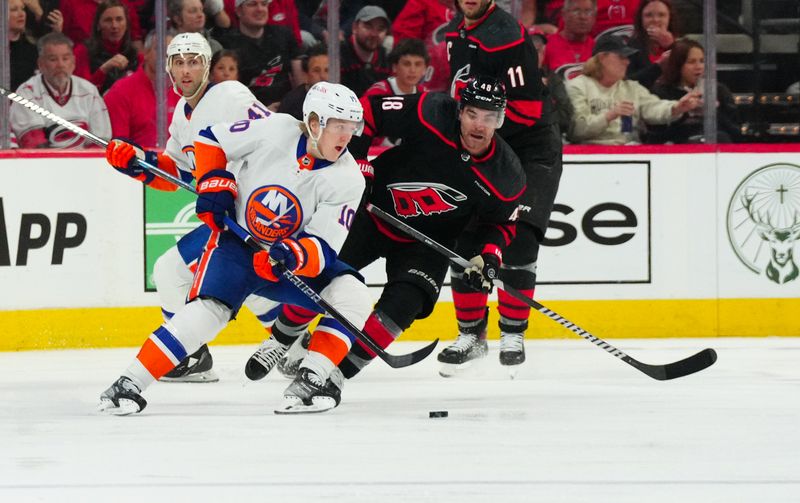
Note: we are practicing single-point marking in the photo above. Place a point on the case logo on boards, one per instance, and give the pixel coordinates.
(764, 221)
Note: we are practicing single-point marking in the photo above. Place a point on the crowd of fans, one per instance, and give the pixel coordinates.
(618, 70)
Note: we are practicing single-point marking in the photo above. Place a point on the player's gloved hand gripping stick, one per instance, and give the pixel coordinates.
(394, 361)
(690, 365)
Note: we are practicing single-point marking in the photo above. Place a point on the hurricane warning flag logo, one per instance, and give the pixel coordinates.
(273, 213)
(764, 221)
(412, 199)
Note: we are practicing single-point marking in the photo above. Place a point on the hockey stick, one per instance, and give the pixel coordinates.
(394, 361)
(690, 365)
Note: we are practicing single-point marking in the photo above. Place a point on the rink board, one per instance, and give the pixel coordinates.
(642, 244)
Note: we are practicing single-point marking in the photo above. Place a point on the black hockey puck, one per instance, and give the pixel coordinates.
(437, 413)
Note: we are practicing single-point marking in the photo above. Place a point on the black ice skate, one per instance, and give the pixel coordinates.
(291, 361)
(122, 398)
(459, 355)
(308, 393)
(512, 349)
(266, 356)
(194, 368)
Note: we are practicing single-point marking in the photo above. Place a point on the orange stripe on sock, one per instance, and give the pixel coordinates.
(329, 345)
(154, 360)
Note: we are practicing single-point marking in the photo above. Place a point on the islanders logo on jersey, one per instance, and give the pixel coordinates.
(273, 213)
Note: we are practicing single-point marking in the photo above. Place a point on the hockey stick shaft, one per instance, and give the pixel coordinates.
(694, 363)
(395, 361)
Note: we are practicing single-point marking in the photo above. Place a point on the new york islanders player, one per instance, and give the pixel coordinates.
(485, 40)
(201, 105)
(294, 183)
(450, 170)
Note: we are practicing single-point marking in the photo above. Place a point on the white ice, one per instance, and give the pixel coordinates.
(577, 425)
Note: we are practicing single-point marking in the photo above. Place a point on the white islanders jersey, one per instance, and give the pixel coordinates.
(283, 192)
(227, 101)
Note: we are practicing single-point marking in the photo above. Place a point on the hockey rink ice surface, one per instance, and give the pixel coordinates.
(576, 425)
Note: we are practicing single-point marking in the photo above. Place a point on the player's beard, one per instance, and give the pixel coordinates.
(480, 13)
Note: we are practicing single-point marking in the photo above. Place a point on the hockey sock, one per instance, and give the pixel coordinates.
(291, 323)
(382, 330)
(514, 314)
(330, 339)
(318, 363)
(159, 354)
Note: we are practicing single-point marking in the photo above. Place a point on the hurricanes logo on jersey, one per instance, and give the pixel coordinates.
(61, 137)
(273, 213)
(412, 199)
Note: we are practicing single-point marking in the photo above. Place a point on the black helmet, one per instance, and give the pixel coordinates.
(484, 92)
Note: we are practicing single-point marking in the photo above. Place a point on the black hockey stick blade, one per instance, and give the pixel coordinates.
(685, 367)
(690, 365)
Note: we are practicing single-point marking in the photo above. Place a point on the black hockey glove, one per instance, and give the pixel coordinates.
(485, 268)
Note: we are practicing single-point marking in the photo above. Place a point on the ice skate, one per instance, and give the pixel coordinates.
(461, 354)
(122, 398)
(194, 368)
(264, 359)
(308, 393)
(290, 363)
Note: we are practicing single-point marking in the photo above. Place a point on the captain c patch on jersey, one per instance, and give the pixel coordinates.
(273, 213)
(412, 199)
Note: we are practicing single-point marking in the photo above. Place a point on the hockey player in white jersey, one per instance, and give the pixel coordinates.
(293, 189)
(201, 105)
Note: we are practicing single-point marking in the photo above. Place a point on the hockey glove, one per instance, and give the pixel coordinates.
(216, 198)
(485, 268)
(123, 156)
(288, 252)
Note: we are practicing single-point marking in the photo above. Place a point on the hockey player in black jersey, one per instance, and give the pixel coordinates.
(485, 40)
(449, 171)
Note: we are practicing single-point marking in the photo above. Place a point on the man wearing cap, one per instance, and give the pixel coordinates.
(268, 55)
(363, 58)
(608, 107)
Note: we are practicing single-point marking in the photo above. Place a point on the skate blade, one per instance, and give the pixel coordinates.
(208, 376)
(126, 407)
(293, 405)
(448, 370)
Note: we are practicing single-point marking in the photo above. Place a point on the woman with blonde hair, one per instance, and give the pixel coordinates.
(608, 108)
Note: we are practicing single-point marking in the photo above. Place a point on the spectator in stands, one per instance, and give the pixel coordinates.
(187, 16)
(609, 108)
(80, 14)
(281, 13)
(569, 48)
(315, 69)
(224, 66)
(424, 19)
(654, 32)
(64, 94)
(683, 73)
(215, 11)
(363, 58)
(409, 60)
(43, 17)
(131, 101)
(614, 17)
(109, 54)
(21, 49)
(268, 54)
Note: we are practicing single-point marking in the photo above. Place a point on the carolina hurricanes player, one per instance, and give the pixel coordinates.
(290, 190)
(486, 40)
(450, 170)
(201, 104)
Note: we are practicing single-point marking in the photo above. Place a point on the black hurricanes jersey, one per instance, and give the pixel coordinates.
(432, 183)
(498, 46)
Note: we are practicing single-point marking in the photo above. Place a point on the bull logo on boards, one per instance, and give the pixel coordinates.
(412, 199)
(764, 221)
(273, 213)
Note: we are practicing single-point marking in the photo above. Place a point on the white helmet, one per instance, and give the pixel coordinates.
(189, 43)
(332, 101)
